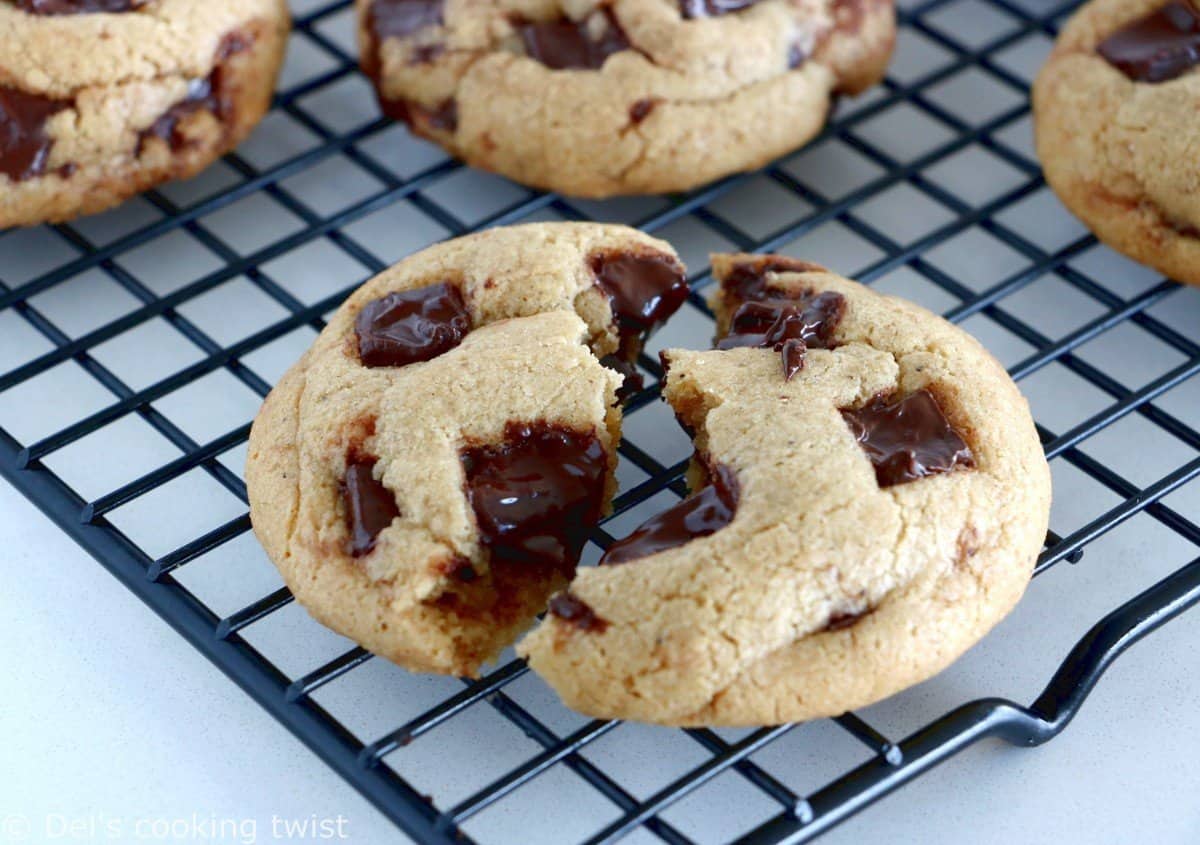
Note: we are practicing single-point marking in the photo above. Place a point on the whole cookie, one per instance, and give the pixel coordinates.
(1115, 117)
(426, 475)
(102, 99)
(869, 498)
(598, 98)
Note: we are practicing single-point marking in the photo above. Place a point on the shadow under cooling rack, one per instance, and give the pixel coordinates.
(136, 346)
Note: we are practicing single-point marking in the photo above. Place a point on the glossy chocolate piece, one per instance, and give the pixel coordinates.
(705, 512)
(402, 18)
(747, 279)
(1159, 47)
(370, 507)
(711, 8)
(413, 325)
(643, 289)
(789, 326)
(566, 44)
(907, 439)
(571, 609)
(24, 144)
(537, 495)
(76, 7)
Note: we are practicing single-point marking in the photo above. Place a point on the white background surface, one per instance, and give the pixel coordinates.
(108, 716)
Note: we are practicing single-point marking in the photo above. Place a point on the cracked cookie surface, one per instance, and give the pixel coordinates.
(425, 476)
(853, 528)
(1114, 117)
(103, 99)
(624, 97)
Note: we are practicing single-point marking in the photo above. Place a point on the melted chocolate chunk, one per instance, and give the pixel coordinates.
(370, 507)
(565, 44)
(907, 439)
(574, 610)
(786, 321)
(747, 280)
(209, 94)
(76, 7)
(537, 495)
(1161, 46)
(401, 18)
(711, 8)
(412, 325)
(24, 144)
(705, 512)
(643, 290)
(789, 326)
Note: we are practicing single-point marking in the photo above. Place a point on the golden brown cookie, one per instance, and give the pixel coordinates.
(634, 96)
(869, 499)
(1115, 116)
(426, 476)
(102, 99)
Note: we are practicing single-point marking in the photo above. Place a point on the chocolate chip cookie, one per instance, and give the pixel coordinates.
(102, 99)
(598, 98)
(1115, 116)
(426, 476)
(869, 498)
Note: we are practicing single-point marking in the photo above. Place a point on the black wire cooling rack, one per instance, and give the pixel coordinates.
(962, 74)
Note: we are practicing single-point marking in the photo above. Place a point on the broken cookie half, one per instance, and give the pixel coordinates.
(426, 475)
(869, 499)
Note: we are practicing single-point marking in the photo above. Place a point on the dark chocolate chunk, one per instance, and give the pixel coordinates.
(644, 289)
(907, 439)
(412, 325)
(748, 279)
(76, 7)
(705, 512)
(574, 610)
(537, 495)
(210, 94)
(1158, 47)
(566, 44)
(370, 507)
(711, 8)
(787, 325)
(401, 18)
(24, 144)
